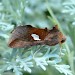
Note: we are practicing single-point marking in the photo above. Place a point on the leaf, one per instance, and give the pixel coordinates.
(64, 69)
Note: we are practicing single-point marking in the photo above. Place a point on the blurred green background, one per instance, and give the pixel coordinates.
(41, 14)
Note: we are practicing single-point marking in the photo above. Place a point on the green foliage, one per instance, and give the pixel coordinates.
(38, 13)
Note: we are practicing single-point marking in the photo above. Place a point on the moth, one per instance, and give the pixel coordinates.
(27, 36)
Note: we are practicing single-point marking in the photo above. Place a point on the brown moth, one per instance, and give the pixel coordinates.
(26, 36)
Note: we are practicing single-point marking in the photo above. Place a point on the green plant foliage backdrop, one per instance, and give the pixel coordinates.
(40, 59)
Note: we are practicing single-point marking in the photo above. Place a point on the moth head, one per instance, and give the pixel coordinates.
(60, 36)
(55, 36)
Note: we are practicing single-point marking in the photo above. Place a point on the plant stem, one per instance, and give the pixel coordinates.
(54, 17)
(65, 44)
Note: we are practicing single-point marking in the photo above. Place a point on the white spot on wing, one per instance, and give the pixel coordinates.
(35, 37)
